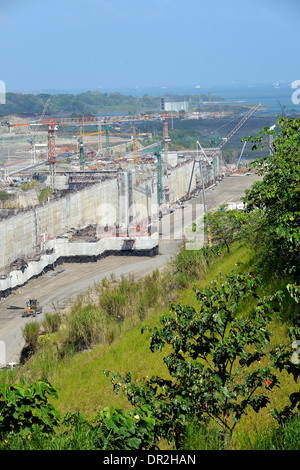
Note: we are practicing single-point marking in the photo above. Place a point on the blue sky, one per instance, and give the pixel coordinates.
(112, 45)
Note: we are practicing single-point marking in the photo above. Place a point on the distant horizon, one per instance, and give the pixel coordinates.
(273, 96)
(143, 88)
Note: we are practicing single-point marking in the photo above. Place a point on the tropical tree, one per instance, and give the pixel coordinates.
(224, 226)
(214, 366)
(277, 194)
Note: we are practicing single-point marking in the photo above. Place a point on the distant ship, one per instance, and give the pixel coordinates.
(197, 86)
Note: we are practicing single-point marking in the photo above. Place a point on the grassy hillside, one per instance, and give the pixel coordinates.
(78, 376)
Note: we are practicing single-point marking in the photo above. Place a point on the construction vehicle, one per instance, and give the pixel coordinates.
(32, 308)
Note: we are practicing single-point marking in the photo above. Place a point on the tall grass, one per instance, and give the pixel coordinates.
(88, 326)
(286, 437)
(52, 322)
(199, 437)
(109, 326)
(96, 318)
(273, 437)
(73, 440)
(31, 333)
(108, 310)
(189, 265)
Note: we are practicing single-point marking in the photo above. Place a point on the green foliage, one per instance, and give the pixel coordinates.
(120, 430)
(44, 194)
(224, 226)
(189, 265)
(28, 421)
(176, 405)
(83, 103)
(285, 437)
(31, 332)
(5, 196)
(52, 322)
(214, 363)
(84, 327)
(26, 409)
(277, 194)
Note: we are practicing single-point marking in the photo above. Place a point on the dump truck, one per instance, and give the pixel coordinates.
(32, 308)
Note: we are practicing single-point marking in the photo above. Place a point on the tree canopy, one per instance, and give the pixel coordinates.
(276, 196)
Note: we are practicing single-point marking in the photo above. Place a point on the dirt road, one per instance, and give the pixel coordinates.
(57, 288)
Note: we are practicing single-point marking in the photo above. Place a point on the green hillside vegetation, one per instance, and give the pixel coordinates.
(200, 356)
(82, 104)
(86, 103)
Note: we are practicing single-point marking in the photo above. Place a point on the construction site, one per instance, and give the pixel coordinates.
(106, 191)
(111, 203)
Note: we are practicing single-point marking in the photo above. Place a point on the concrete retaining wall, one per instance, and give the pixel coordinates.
(22, 233)
(112, 201)
(61, 249)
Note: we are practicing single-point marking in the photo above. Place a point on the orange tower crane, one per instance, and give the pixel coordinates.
(52, 125)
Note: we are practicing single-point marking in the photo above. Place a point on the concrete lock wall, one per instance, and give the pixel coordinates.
(22, 233)
(176, 185)
(112, 201)
(62, 248)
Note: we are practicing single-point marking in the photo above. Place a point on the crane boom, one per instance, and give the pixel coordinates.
(244, 145)
(236, 128)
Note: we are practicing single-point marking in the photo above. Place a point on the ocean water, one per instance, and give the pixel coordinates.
(272, 98)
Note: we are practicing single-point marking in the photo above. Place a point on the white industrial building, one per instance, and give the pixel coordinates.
(176, 104)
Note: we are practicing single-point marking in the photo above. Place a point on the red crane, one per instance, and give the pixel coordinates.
(52, 125)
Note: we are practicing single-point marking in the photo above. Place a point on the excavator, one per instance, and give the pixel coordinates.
(32, 308)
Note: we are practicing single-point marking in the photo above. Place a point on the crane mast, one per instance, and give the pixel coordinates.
(52, 154)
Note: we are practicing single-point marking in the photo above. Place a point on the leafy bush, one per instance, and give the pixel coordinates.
(119, 430)
(28, 421)
(26, 409)
(225, 226)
